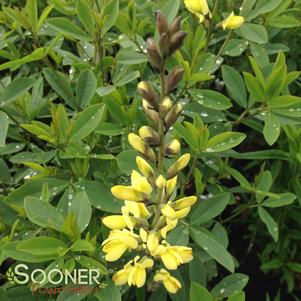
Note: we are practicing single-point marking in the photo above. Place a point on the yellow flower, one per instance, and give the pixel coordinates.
(173, 256)
(173, 147)
(198, 7)
(138, 144)
(127, 193)
(168, 211)
(171, 224)
(161, 182)
(171, 283)
(118, 243)
(171, 185)
(152, 241)
(233, 22)
(138, 210)
(185, 202)
(133, 275)
(144, 167)
(114, 222)
(180, 164)
(140, 183)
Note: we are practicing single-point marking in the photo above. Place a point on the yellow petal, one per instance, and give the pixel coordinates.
(144, 167)
(168, 211)
(115, 252)
(115, 222)
(143, 235)
(161, 182)
(121, 277)
(171, 185)
(233, 22)
(185, 202)
(140, 183)
(140, 277)
(127, 193)
(172, 284)
(152, 241)
(182, 213)
(169, 261)
(136, 142)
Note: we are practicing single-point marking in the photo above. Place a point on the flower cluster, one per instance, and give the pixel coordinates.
(201, 9)
(151, 208)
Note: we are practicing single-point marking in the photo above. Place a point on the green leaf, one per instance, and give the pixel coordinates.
(229, 285)
(263, 7)
(198, 292)
(101, 197)
(86, 122)
(15, 89)
(272, 226)
(60, 85)
(82, 245)
(284, 101)
(254, 33)
(294, 266)
(91, 263)
(85, 16)
(110, 12)
(31, 9)
(170, 9)
(240, 296)
(205, 240)
(284, 199)
(109, 292)
(235, 85)
(211, 99)
(264, 184)
(127, 78)
(272, 128)
(85, 87)
(42, 246)
(3, 128)
(34, 188)
(235, 47)
(254, 87)
(224, 142)
(68, 28)
(208, 209)
(43, 214)
(126, 161)
(81, 207)
(284, 22)
(45, 13)
(130, 57)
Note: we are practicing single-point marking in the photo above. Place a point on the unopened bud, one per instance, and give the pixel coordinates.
(150, 112)
(180, 164)
(149, 135)
(171, 185)
(162, 24)
(161, 182)
(138, 144)
(173, 147)
(173, 115)
(147, 92)
(175, 26)
(154, 55)
(173, 79)
(146, 169)
(176, 41)
(164, 44)
(165, 106)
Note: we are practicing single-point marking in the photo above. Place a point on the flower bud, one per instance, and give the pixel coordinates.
(145, 168)
(170, 186)
(115, 222)
(176, 41)
(232, 22)
(154, 55)
(161, 182)
(162, 24)
(127, 193)
(180, 164)
(173, 79)
(138, 144)
(152, 241)
(165, 106)
(146, 91)
(185, 202)
(149, 135)
(173, 115)
(150, 112)
(164, 44)
(175, 26)
(173, 147)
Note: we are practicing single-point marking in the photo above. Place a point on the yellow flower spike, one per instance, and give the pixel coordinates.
(171, 284)
(180, 164)
(127, 193)
(152, 241)
(118, 243)
(184, 202)
(161, 182)
(114, 222)
(145, 168)
(138, 144)
(171, 185)
(198, 7)
(232, 22)
(140, 183)
(173, 147)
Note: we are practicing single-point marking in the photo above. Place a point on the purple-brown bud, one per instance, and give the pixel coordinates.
(176, 41)
(173, 79)
(154, 55)
(173, 115)
(164, 44)
(149, 135)
(175, 26)
(162, 24)
(146, 91)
